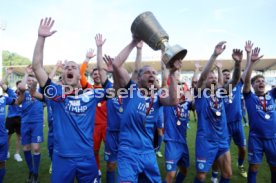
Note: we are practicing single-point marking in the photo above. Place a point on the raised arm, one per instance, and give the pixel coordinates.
(54, 70)
(248, 71)
(220, 47)
(100, 62)
(196, 71)
(4, 82)
(164, 75)
(9, 71)
(44, 31)
(237, 57)
(248, 48)
(172, 99)
(121, 73)
(89, 55)
(23, 83)
(138, 61)
(220, 75)
(34, 93)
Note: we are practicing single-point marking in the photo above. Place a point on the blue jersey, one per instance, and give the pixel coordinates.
(50, 116)
(233, 104)
(13, 110)
(114, 114)
(176, 119)
(212, 122)
(3, 131)
(160, 118)
(136, 126)
(74, 118)
(262, 119)
(32, 109)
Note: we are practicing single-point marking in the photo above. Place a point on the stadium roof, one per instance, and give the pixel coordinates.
(187, 65)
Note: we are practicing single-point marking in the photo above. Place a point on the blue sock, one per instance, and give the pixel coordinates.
(251, 176)
(110, 177)
(179, 178)
(197, 181)
(215, 174)
(36, 162)
(273, 176)
(2, 174)
(29, 160)
(224, 180)
(240, 161)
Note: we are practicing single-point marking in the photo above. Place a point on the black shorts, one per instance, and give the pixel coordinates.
(13, 124)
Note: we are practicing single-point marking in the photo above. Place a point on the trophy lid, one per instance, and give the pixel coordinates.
(173, 53)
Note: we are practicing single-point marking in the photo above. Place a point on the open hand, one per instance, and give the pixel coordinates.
(45, 27)
(220, 47)
(237, 55)
(99, 40)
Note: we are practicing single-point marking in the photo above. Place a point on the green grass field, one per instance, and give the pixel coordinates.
(17, 171)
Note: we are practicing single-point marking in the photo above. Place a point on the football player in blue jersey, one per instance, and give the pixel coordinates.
(262, 121)
(31, 126)
(176, 148)
(11, 100)
(136, 153)
(114, 113)
(74, 113)
(37, 94)
(212, 133)
(233, 109)
(13, 120)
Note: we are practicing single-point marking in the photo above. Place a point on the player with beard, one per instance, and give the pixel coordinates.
(262, 121)
(176, 149)
(101, 116)
(212, 133)
(136, 153)
(233, 109)
(31, 126)
(74, 112)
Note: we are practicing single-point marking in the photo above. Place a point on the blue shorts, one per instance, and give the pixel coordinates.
(257, 146)
(65, 169)
(176, 154)
(31, 133)
(111, 146)
(236, 131)
(208, 151)
(130, 165)
(3, 150)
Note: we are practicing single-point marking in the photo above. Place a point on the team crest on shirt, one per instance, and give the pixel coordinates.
(2, 109)
(268, 97)
(2, 100)
(85, 98)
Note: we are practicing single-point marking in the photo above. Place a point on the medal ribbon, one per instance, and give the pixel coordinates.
(215, 101)
(178, 112)
(150, 106)
(120, 101)
(263, 102)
